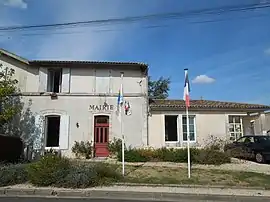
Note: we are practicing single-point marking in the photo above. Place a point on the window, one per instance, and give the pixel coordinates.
(54, 80)
(246, 140)
(235, 127)
(171, 134)
(52, 131)
(192, 131)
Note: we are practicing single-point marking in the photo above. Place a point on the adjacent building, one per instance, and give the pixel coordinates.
(77, 101)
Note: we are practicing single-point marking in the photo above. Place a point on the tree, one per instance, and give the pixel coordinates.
(159, 89)
(8, 89)
(16, 119)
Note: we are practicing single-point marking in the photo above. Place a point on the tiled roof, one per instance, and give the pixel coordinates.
(142, 66)
(158, 104)
(50, 62)
(56, 63)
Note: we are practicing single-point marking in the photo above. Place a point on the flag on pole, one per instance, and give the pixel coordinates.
(186, 89)
(120, 100)
(127, 108)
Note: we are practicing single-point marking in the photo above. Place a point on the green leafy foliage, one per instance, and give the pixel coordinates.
(79, 176)
(48, 170)
(53, 170)
(13, 174)
(8, 89)
(159, 89)
(115, 146)
(200, 156)
(83, 149)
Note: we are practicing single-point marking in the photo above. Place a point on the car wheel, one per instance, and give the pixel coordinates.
(259, 158)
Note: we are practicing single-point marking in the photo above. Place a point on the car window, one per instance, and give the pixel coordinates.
(241, 140)
(246, 140)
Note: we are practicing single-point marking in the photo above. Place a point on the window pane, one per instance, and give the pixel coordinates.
(184, 128)
(230, 119)
(238, 128)
(237, 119)
(191, 128)
(184, 120)
(191, 120)
(192, 136)
(171, 133)
(184, 136)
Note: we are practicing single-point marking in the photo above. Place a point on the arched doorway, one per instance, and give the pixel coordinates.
(101, 136)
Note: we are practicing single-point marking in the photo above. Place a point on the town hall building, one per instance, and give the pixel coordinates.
(77, 101)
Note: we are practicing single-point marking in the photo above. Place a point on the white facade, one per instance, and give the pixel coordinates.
(85, 90)
(81, 99)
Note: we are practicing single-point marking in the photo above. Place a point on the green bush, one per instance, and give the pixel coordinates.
(212, 157)
(202, 156)
(48, 170)
(89, 175)
(79, 176)
(13, 174)
(115, 146)
(133, 155)
(106, 171)
(82, 149)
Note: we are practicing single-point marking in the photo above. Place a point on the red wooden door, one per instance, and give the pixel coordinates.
(101, 136)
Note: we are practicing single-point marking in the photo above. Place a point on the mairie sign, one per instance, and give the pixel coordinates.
(100, 107)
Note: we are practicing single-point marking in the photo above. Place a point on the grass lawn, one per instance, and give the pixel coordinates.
(163, 175)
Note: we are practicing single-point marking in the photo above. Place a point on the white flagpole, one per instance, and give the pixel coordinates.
(121, 129)
(188, 140)
(186, 91)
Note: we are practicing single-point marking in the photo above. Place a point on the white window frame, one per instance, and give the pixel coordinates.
(50, 80)
(234, 126)
(46, 130)
(177, 128)
(195, 130)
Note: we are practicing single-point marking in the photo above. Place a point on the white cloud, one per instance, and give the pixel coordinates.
(203, 79)
(267, 51)
(15, 3)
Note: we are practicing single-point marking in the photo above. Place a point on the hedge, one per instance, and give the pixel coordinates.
(200, 156)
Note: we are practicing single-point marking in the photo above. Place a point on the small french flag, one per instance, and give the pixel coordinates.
(186, 89)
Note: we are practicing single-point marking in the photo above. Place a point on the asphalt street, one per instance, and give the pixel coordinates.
(184, 199)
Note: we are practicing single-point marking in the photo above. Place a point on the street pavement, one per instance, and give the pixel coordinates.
(189, 198)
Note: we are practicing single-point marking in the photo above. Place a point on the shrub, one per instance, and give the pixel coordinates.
(115, 146)
(133, 155)
(79, 176)
(13, 174)
(209, 155)
(83, 149)
(212, 156)
(89, 175)
(48, 170)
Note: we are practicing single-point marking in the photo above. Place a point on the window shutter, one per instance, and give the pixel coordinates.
(66, 80)
(43, 76)
(38, 133)
(64, 132)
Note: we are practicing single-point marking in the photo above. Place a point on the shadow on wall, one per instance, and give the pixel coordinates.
(22, 126)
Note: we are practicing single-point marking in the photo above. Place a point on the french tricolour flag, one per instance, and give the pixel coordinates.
(186, 89)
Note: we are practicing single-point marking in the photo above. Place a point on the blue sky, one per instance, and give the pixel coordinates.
(227, 59)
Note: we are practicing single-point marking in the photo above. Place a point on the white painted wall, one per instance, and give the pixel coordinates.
(208, 124)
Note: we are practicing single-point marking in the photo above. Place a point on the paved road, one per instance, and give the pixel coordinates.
(181, 199)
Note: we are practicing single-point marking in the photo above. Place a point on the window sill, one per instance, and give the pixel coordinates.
(53, 148)
(191, 141)
(171, 141)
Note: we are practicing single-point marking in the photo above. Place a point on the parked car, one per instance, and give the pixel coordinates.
(255, 147)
